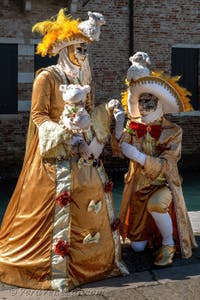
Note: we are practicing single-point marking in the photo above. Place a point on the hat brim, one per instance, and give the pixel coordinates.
(57, 47)
(166, 94)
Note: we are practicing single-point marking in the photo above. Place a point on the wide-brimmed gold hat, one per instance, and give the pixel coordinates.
(172, 96)
(62, 31)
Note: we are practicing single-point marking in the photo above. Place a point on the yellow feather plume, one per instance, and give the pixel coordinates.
(60, 29)
(183, 92)
(42, 27)
(124, 100)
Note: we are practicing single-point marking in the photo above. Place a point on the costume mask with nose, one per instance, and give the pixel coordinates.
(74, 62)
(80, 53)
(147, 103)
(150, 108)
(68, 37)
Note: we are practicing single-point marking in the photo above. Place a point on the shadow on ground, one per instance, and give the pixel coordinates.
(143, 261)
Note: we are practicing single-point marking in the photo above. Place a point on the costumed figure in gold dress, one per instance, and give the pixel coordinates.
(60, 230)
(153, 209)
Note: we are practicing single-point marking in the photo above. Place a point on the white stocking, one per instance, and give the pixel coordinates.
(164, 224)
(138, 246)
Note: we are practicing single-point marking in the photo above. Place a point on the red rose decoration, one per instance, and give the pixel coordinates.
(108, 186)
(64, 199)
(115, 224)
(133, 126)
(61, 248)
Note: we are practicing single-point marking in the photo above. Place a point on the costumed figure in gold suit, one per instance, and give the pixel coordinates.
(153, 209)
(60, 230)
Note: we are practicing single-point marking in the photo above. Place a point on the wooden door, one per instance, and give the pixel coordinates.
(185, 62)
(8, 78)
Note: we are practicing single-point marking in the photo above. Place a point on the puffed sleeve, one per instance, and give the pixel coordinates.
(41, 98)
(51, 134)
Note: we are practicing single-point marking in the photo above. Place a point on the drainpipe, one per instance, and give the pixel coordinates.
(131, 25)
(28, 5)
(24, 5)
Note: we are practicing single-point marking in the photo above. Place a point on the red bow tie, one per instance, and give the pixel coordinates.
(142, 129)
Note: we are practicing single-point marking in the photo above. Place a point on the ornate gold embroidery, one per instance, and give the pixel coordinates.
(91, 239)
(95, 207)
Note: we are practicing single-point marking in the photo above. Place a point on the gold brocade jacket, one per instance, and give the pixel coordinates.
(162, 165)
(57, 230)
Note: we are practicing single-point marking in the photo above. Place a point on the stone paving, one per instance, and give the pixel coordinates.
(181, 281)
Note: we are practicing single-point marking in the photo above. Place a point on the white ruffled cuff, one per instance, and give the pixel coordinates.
(50, 135)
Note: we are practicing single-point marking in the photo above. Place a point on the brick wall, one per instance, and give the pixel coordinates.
(109, 57)
(158, 25)
(12, 136)
(191, 140)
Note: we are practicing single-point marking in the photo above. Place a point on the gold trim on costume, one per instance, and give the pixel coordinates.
(61, 229)
(95, 207)
(91, 238)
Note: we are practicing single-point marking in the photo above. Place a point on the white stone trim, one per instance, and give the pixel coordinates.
(25, 77)
(5, 40)
(73, 6)
(8, 117)
(194, 113)
(186, 46)
(24, 105)
(27, 50)
(28, 5)
(34, 41)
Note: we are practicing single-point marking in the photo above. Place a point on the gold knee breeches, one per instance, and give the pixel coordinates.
(160, 200)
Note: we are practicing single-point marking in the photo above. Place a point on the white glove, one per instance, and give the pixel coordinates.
(112, 104)
(82, 120)
(75, 140)
(133, 153)
(95, 148)
(119, 116)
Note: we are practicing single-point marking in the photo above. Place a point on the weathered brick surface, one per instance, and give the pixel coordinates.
(158, 25)
(191, 136)
(190, 141)
(12, 136)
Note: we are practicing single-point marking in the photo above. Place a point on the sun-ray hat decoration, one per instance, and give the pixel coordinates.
(62, 31)
(140, 79)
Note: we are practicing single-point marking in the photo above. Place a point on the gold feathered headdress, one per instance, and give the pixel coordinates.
(63, 31)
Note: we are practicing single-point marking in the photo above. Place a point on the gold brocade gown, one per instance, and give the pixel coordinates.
(57, 230)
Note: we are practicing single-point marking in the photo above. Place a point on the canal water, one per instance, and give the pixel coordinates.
(190, 185)
(191, 191)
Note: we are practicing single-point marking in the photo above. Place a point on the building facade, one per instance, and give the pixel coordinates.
(167, 30)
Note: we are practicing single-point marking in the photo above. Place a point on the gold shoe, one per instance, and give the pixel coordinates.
(164, 256)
